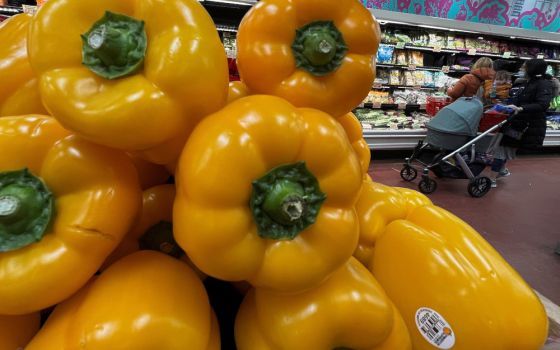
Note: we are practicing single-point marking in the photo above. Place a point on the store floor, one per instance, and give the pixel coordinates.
(520, 218)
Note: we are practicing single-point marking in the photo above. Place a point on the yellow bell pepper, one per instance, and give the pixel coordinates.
(453, 289)
(19, 91)
(149, 174)
(378, 206)
(144, 301)
(236, 91)
(348, 311)
(266, 193)
(46, 255)
(154, 229)
(313, 55)
(17, 331)
(353, 129)
(133, 75)
(399, 339)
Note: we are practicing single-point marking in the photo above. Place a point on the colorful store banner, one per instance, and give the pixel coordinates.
(543, 15)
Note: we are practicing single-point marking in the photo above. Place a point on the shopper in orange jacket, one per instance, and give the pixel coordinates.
(469, 84)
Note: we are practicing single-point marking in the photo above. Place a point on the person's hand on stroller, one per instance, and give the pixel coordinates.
(515, 109)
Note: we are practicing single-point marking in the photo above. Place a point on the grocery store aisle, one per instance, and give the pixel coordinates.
(520, 218)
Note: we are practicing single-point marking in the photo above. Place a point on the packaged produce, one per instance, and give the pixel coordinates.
(419, 77)
(247, 227)
(401, 57)
(409, 79)
(65, 204)
(385, 54)
(463, 289)
(395, 77)
(19, 90)
(416, 58)
(146, 88)
(382, 76)
(299, 52)
(146, 300)
(347, 311)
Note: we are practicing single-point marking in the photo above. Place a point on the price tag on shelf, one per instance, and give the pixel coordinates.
(377, 105)
(366, 126)
(411, 67)
(540, 56)
(378, 86)
(417, 87)
(445, 69)
(29, 9)
(437, 48)
(507, 54)
(401, 106)
(472, 52)
(400, 45)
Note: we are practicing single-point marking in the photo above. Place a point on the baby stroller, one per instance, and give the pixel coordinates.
(454, 148)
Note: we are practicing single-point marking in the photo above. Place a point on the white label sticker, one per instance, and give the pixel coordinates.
(507, 54)
(400, 45)
(434, 328)
(471, 52)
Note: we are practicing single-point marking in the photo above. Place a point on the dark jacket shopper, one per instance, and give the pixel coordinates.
(531, 103)
(469, 84)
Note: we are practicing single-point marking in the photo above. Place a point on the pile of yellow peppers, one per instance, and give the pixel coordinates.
(101, 102)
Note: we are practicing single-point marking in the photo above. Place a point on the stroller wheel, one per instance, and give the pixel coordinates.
(408, 173)
(479, 187)
(427, 185)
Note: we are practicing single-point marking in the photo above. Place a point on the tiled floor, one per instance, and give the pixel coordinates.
(520, 218)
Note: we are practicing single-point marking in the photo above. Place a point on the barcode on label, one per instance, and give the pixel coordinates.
(433, 326)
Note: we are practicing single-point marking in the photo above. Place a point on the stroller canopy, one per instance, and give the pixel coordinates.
(459, 118)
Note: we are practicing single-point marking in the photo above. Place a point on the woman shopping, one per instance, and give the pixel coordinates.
(469, 84)
(527, 128)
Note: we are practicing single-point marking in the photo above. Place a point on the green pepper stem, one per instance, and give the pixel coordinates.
(319, 48)
(26, 209)
(115, 46)
(284, 202)
(9, 207)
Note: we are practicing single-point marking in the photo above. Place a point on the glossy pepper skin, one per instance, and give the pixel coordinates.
(445, 265)
(144, 301)
(96, 196)
(378, 206)
(348, 311)
(237, 90)
(17, 331)
(149, 174)
(270, 55)
(219, 228)
(353, 129)
(183, 76)
(19, 91)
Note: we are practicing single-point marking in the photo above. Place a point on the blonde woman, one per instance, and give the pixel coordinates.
(469, 84)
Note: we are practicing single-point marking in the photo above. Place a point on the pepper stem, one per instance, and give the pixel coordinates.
(115, 46)
(26, 209)
(319, 48)
(286, 201)
(9, 206)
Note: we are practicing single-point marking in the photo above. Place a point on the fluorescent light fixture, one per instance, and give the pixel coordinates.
(549, 41)
(512, 37)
